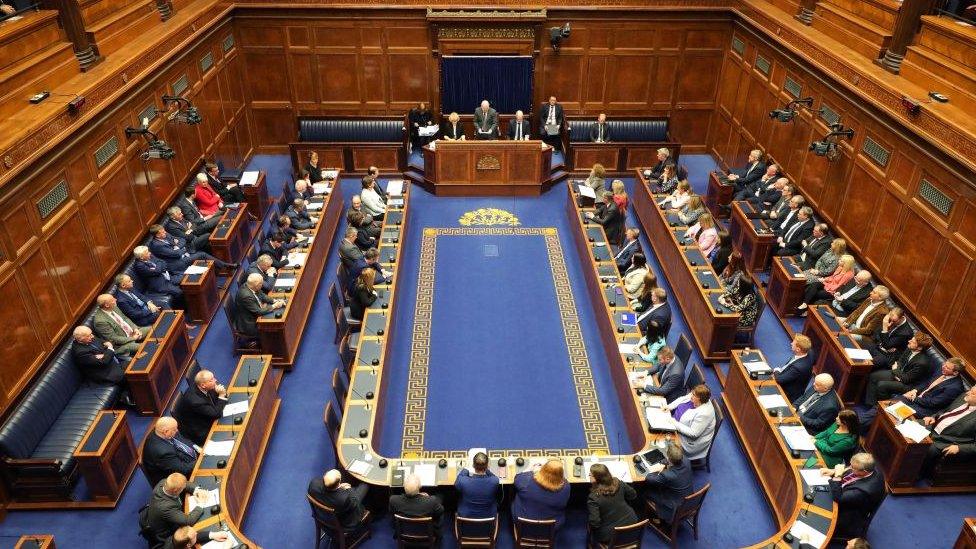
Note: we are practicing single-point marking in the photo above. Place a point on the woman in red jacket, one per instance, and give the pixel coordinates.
(206, 198)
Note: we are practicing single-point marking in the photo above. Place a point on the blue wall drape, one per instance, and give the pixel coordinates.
(506, 82)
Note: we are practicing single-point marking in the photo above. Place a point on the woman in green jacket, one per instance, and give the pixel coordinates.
(837, 442)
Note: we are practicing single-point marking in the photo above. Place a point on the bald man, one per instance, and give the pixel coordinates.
(200, 406)
(819, 405)
(486, 121)
(416, 504)
(111, 324)
(344, 499)
(98, 362)
(519, 129)
(165, 518)
(167, 451)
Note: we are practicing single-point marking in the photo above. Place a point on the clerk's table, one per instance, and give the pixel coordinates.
(487, 168)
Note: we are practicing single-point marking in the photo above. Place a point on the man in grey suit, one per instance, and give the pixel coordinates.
(671, 374)
(349, 252)
(253, 303)
(110, 324)
(486, 122)
(953, 432)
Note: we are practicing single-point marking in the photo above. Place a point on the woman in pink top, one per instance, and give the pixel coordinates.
(824, 288)
(705, 233)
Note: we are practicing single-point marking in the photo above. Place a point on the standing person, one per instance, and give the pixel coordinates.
(551, 123)
(486, 122)
(419, 117)
(609, 503)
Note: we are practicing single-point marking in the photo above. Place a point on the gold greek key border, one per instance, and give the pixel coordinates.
(415, 412)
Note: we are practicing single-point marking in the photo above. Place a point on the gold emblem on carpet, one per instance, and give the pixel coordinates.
(489, 217)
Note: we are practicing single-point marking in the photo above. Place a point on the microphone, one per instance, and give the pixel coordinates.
(249, 381)
(619, 449)
(367, 398)
(376, 361)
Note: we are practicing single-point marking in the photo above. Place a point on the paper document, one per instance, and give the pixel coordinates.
(330, 174)
(248, 178)
(900, 411)
(857, 354)
(627, 348)
(314, 206)
(284, 283)
(772, 401)
(213, 498)
(797, 438)
(808, 534)
(297, 258)
(587, 191)
(360, 467)
(913, 430)
(659, 420)
(813, 477)
(395, 187)
(655, 401)
(427, 473)
(195, 269)
(757, 366)
(235, 408)
(218, 447)
(427, 131)
(321, 188)
(228, 543)
(637, 377)
(618, 468)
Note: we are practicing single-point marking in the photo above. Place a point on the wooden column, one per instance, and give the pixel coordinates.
(806, 11)
(74, 27)
(909, 19)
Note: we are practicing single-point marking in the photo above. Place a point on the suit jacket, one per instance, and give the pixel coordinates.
(856, 502)
(206, 199)
(767, 197)
(871, 322)
(794, 237)
(627, 252)
(135, 305)
(962, 432)
(697, 428)
(165, 514)
(359, 300)
(268, 283)
(417, 507)
(278, 255)
(249, 309)
(813, 250)
(532, 501)
(613, 222)
(161, 458)
(595, 132)
(152, 273)
(348, 509)
(606, 512)
(478, 494)
(896, 339)
(848, 305)
(526, 129)
(670, 487)
(357, 269)
(107, 328)
(780, 209)
(483, 121)
(299, 219)
(750, 173)
(185, 229)
(672, 378)
(544, 114)
(100, 370)
(655, 322)
(349, 253)
(196, 412)
(452, 131)
(916, 369)
(189, 209)
(795, 376)
(173, 251)
(819, 415)
(935, 399)
(314, 173)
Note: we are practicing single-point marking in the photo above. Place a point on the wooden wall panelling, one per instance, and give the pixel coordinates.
(25, 346)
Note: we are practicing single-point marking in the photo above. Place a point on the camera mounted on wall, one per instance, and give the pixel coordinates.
(155, 147)
(557, 35)
(788, 113)
(185, 113)
(827, 147)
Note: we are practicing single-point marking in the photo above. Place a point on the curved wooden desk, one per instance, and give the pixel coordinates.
(487, 168)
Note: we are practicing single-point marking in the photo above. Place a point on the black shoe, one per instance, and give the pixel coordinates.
(127, 401)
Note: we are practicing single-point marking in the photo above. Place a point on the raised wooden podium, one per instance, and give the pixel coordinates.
(487, 168)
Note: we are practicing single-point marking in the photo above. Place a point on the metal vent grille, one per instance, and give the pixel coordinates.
(53, 199)
(228, 42)
(829, 115)
(876, 152)
(935, 198)
(763, 65)
(738, 45)
(106, 152)
(792, 87)
(148, 113)
(206, 62)
(181, 85)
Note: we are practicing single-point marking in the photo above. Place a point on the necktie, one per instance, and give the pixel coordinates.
(552, 115)
(484, 122)
(940, 425)
(600, 138)
(787, 365)
(809, 402)
(791, 232)
(138, 301)
(128, 330)
(622, 250)
(848, 478)
(183, 447)
(518, 133)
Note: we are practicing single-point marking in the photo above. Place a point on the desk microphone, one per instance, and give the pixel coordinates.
(619, 457)
(372, 366)
(251, 382)
(367, 398)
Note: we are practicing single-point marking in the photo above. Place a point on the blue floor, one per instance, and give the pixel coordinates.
(735, 513)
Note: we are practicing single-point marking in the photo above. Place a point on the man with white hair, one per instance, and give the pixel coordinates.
(253, 303)
(345, 500)
(97, 360)
(519, 129)
(416, 504)
(264, 266)
(866, 318)
(849, 296)
(858, 491)
(200, 405)
(112, 325)
(166, 451)
(486, 121)
(819, 405)
(663, 159)
(753, 170)
(155, 276)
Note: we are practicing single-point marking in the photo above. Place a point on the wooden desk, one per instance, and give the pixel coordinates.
(899, 458)
(154, 373)
(772, 460)
(690, 275)
(829, 340)
(786, 286)
(35, 541)
(229, 241)
(256, 195)
(617, 156)
(967, 536)
(107, 456)
(281, 333)
(487, 168)
(235, 475)
(718, 196)
(200, 292)
(752, 237)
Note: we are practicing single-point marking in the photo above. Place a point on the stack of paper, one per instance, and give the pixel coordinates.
(314, 206)
(587, 191)
(813, 477)
(212, 498)
(235, 408)
(248, 178)
(857, 354)
(427, 131)
(330, 174)
(797, 438)
(772, 401)
(655, 401)
(195, 269)
(627, 348)
(637, 377)
(659, 420)
(284, 283)
(618, 468)
(808, 534)
(427, 473)
(900, 411)
(218, 447)
(228, 543)
(394, 187)
(297, 258)
(913, 430)
(757, 366)
(360, 467)
(321, 188)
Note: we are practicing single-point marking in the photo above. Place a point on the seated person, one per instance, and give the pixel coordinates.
(97, 360)
(486, 122)
(679, 197)
(866, 317)
(293, 238)
(814, 247)
(199, 406)
(541, 494)
(782, 223)
(792, 240)
(164, 515)
(252, 303)
(633, 278)
(745, 189)
(263, 266)
(723, 252)
(694, 420)
(187, 538)
(366, 237)
(753, 170)
(669, 484)
(166, 451)
(274, 247)
(597, 179)
(704, 233)
(858, 491)
(890, 340)
(670, 372)
(645, 299)
(207, 201)
(612, 215)
(630, 247)
(196, 235)
(416, 504)
(155, 277)
(374, 172)
(478, 490)
(850, 295)
(769, 197)
(744, 302)
(111, 325)
(794, 376)
(453, 129)
(600, 132)
(692, 211)
(230, 192)
(826, 264)
(370, 260)
(656, 320)
(911, 368)
(776, 210)
(519, 129)
(363, 294)
(609, 503)
(315, 173)
(668, 181)
(303, 190)
(349, 251)
(133, 304)
(300, 218)
(953, 432)
(345, 500)
(663, 158)
(839, 440)
(933, 395)
(372, 203)
(817, 408)
(824, 289)
(734, 273)
(174, 252)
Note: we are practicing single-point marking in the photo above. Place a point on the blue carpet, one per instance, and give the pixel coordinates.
(735, 512)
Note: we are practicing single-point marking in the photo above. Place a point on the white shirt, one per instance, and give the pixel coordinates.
(867, 311)
(849, 293)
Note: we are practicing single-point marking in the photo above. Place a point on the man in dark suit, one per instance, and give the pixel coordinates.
(264, 266)
(600, 132)
(486, 122)
(669, 484)
(551, 122)
(300, 218)
(781, 207)
(166, 451)
(746, 189)
(953, 432)
(345, 500)
(813, 247)
(890, 339)
(519, 129)
(663, 159)
(453, 129)
(748, 174)
(478, 490)
(196, 235)
(858, 491)
(416, 504)
(274, 248)
(912, 367)
(371, 260)
(671, 374)
(200, 406)
(819, 405)
(252, 303)
(133, 304)
(349, 252)
(164, 515)
(367, 224)
(174, 252)
(190, 210)
(794, 376)
(230, 192)
(783, 223)
(770, 195)
(155, 277)
(792, 240)
(97, 361)
(365, 239)
(374, 172)
(850, 295)
(933, 395)
(630, 247)
(655, 321)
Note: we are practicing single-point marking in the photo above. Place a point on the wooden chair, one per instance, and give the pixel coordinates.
(347, 352)
(622, 537)
(686, 512)
(682, 349)
(340, 388)
(476, 532)
(746, 337)
(838, 540)
(331, 420)
(414, 532)
(192, 372)
(342, 276)
(344, 325)
(328, 528)
(705, 462)
(243, 343)
(335, 301)
(696, 376)
(534, 533)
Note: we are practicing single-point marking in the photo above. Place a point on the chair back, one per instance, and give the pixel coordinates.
(325, 517)
(347, 352)
(472, 532)
(627, 537)
(342, 326)
(334, 300)
(695, 377)
(192, 372)
(342, 275)
(340, 388)
(410, 531)
(706, 461)
(331, 420)
(535, 533)
(682, 349)
(689, 508)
